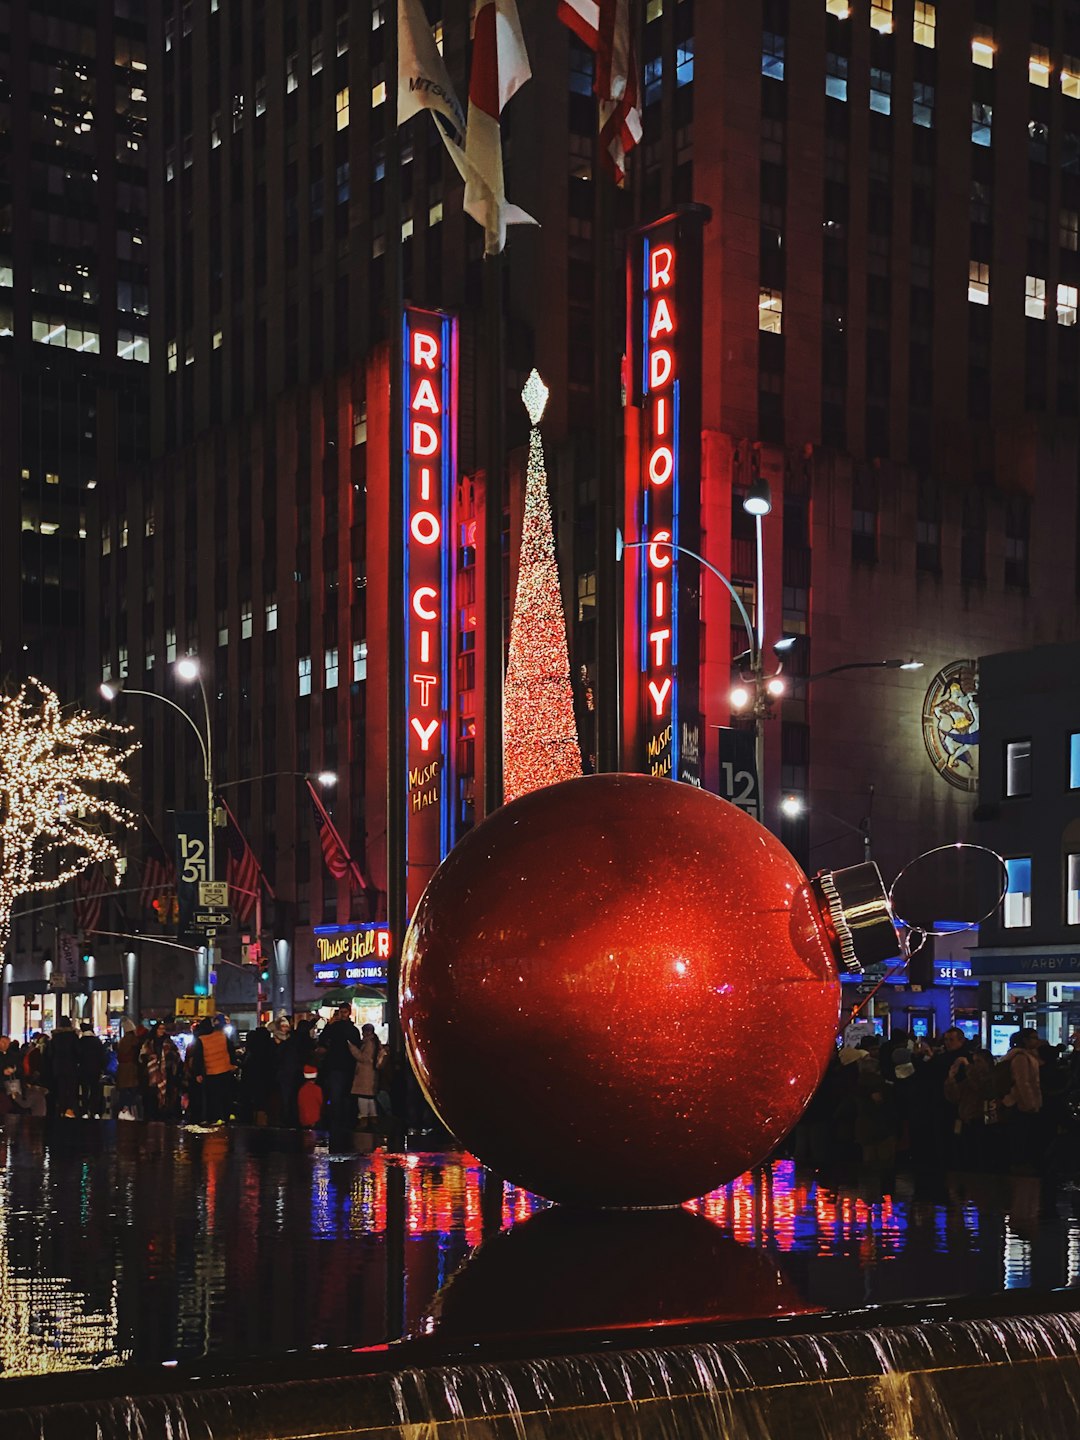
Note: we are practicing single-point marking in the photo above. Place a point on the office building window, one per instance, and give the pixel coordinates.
(170, 645)
(1035, 298)
(1072, 889)
(271, 613)
(1070, 77)
(1066, 304)
(881, 91)
(359, 660)
(922, 106)
(330, 669)
(1017, 908)
(840, 8)
(982, 123)
(772, 58)
(836, 69)
(303, 671)
(1039, 67)
(771, 311)
(1074, 760)
(246, 623)
(1069, 230)
(983, 48)
(1018, 767)
(925, 29)
(881, 18)
(979, 283)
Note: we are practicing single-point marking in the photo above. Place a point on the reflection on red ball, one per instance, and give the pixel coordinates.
(618, 991)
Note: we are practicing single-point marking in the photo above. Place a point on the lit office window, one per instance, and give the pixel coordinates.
(303, 672)
(771, 311)
(881, 16)
(1035, 298)
(341, 105)
(653, 10)
(840, 8)
(223, 627)
(1072, 889)
(983, 49)
(1018, 767)
(170, 645)
(1017, 909)
(1074, 760)
(1070, 77)
(271, 613)
(978, 283)
(1039, 67)
(330, 669)
(925, 29)
(1066, 304)
(359, 660)
(246, 620)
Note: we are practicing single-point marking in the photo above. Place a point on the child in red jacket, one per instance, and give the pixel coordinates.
(309, 1101)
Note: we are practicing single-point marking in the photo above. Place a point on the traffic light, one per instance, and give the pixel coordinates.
(88, 957)
(264, 973)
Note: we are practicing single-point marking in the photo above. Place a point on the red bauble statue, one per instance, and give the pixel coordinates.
(619, 991)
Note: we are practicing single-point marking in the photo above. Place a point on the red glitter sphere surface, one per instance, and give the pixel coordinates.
(618, 991)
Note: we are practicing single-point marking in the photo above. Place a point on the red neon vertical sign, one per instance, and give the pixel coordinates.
(429, 445)
(659, 508)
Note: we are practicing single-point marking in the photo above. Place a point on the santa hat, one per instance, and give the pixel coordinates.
(310, 1072)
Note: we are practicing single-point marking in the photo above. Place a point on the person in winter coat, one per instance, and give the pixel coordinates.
(213, 1069)
(258, 1079)
(91, 1069)
(126, 1096)
(309, 1100)
(288, 1067)
(368, 1056)
(62, 1070)
(338, 1065)
(1023, 1100)
(11, 1076)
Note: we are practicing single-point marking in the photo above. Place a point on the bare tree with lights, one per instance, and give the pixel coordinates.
(540, 744)
(56, 773)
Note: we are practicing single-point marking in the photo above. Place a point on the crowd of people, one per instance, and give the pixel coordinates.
(949, 1104)
(293, 1072)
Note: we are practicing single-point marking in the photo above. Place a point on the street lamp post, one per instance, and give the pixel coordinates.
(188, 669)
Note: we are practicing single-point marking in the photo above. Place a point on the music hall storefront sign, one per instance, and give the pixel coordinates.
(351, 954)
(429, 441)
(663, 482)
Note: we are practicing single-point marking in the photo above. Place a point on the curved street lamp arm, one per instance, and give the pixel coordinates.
(852, 665)
(269, 775)
(685, 550)
(153, 695)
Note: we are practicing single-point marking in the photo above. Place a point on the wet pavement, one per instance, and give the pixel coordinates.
(149, 1245)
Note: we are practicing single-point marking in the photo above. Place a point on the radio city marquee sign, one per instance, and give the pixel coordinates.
(665, 477)
(352, 954)
(429, 394)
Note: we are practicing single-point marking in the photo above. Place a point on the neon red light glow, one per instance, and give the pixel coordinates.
(428, 388)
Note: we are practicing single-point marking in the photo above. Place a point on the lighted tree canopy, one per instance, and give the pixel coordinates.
(57, 769)
(540, 744)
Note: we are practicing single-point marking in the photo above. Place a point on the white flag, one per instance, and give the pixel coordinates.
(500, 66)
(423, 83)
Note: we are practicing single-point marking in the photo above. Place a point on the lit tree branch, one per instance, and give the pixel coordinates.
(55, 772)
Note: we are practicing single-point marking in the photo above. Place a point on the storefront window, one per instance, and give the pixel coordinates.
(1017, 911)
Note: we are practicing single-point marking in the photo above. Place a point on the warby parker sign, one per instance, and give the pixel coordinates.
(429, 445)
(665, 346)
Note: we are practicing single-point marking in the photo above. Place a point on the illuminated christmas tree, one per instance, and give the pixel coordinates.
(55, 772)
(540, 744)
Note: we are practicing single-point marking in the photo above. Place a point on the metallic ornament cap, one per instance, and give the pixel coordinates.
(857, 906)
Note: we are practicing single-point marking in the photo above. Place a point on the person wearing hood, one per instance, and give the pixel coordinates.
(62, 1069)
(127, 1102)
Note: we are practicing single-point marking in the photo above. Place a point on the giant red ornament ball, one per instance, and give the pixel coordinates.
(619, 991)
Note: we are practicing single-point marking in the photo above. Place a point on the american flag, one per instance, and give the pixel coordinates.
(604, 26)
(159, 874)
(338, 860)
(243, 872)
(89, 899)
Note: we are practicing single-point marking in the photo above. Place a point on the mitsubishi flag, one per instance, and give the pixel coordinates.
(423, 83)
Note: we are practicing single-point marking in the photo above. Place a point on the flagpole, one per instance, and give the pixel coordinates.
(397, 910)
(354, 869)
(493, 525)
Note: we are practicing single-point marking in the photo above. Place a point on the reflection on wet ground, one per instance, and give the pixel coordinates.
(146, 1244)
